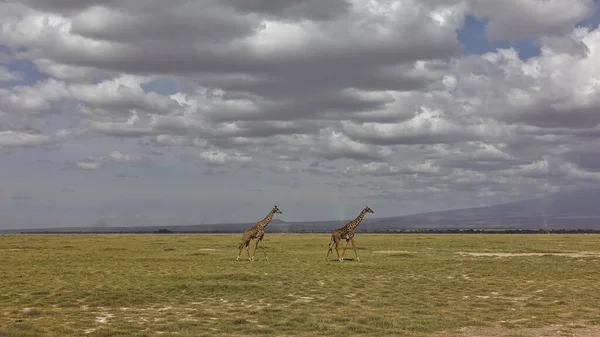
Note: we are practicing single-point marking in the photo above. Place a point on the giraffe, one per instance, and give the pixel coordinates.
(346, 233)
(256, 232)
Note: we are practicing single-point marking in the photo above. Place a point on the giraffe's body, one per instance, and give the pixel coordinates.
(256, 232)
(346, 233)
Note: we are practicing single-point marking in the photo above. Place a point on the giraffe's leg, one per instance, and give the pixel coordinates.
(241, 247)
(262, 245)
(248, 250)
(329, 248)
(344, 251)
(354, 247)
(255, 246)
(337, 243)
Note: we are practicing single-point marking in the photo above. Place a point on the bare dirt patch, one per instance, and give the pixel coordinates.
(500, 254)
(495, 295)
(104, 317)
(207, 249)
(304, 299)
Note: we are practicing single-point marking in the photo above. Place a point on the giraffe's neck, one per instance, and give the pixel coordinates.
(356, 221)
(264, 222)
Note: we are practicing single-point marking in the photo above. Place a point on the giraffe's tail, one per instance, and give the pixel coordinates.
(331, 244)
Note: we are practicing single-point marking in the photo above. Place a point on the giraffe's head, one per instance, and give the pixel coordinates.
(276, 210)
(368, 209)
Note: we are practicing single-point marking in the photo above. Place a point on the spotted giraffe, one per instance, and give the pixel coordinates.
(256, 232)
(346, 233)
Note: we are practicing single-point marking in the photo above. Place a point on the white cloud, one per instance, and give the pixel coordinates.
(371, 98)
(220, 158)
(11, 139)
(114, 158)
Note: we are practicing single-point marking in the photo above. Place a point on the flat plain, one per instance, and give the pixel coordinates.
(403, 285)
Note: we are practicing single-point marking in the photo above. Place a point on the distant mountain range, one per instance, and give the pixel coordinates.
(565, 210)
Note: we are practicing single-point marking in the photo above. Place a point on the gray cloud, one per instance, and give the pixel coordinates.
(293, 9)
(198, 21)
(373, 99)
(585, 156)
(530, 18)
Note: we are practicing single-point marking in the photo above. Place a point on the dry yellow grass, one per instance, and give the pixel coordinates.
(404, 285)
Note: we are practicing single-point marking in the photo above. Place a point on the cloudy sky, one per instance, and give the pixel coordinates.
(148, 112)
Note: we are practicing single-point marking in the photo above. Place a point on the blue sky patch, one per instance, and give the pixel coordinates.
(593, 21)
(162, 85)
(30, 71)
(474, 41)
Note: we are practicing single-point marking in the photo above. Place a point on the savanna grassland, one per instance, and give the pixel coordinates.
(403, 285)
